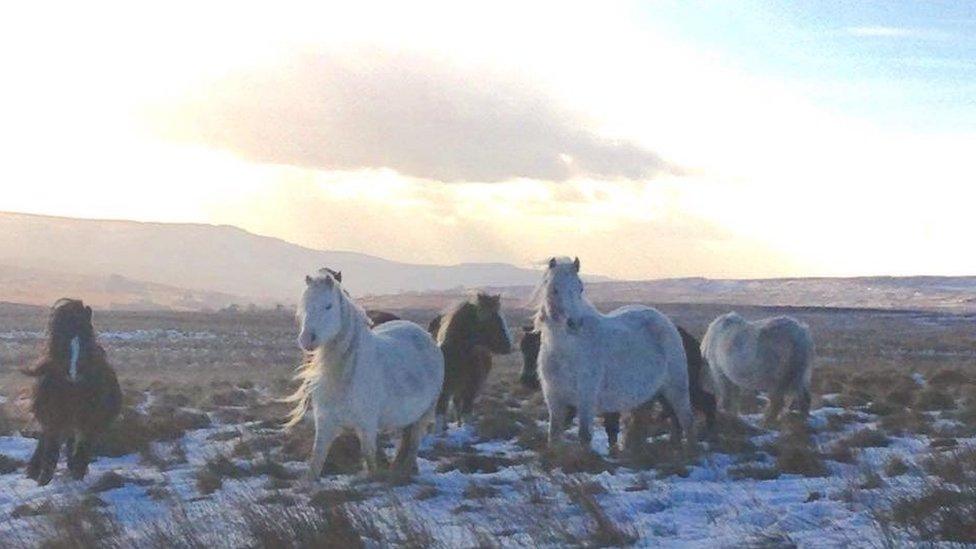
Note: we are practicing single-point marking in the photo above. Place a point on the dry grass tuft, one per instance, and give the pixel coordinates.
(479, 490)
(866, 438)
(132, 432)
(288, 527)
(895, 467)
(754, 471)
(9, 465)
(939, 513)
(605, 531)
(571, 458)
(797, 454)
(471, 462)
(80, 523)
(933, 399)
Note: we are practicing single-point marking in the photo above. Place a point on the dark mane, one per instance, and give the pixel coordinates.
(69, 318)
(458, 326)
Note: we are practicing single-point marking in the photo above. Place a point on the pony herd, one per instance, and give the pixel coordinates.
(371, 372)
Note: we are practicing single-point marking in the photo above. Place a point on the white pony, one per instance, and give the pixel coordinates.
(362, 379)
(601, 363)
(773, 355)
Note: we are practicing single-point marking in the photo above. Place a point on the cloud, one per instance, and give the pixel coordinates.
(895, 32)
(420, 116)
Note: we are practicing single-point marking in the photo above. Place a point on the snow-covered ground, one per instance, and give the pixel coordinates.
(515, 505)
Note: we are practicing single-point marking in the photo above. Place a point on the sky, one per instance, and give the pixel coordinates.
(652, 139)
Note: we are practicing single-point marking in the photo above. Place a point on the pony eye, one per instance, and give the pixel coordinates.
(328, 307)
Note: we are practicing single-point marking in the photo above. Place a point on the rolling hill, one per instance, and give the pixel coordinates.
(127, 263)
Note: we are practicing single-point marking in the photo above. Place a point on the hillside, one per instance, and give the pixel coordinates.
(202, 260)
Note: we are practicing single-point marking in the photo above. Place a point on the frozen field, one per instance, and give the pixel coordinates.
(887, 459)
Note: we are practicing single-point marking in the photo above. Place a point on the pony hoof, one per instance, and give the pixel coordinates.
(45, 479)
(79, 473)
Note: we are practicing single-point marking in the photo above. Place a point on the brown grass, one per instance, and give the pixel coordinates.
(9, 465)
(571, 458)
(754, 471)
(604, 530)
(797, 454)
(933, 399)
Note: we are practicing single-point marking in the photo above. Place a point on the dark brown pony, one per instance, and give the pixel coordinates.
(701, 400)
(76, 393)
(468, 333)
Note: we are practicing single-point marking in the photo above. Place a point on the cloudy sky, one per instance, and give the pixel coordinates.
(731, 139)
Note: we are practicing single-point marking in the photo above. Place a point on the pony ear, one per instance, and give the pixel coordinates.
(552, 262)
(338, 276)
(88, 312)
(308, 280)
(576, 264)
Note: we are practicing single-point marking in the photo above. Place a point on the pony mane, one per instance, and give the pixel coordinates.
(311, 371)
(451, 330)
(57, 349)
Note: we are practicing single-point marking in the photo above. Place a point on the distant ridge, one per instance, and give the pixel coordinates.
(179, 264)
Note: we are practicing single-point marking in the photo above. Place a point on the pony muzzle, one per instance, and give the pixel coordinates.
(308, 342)
(574, 324)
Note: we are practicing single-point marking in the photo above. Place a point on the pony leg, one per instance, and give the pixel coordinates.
(675, 423)
(79, 455)
(585, 414)
(49, 460)
(406, 458)
(440, 424)
(732, 397)
(367, 441)
(611, 424)
(803, 401)
(705, 403)
(680, 402)
(37, 458)
(636, 429)
(557, 421)
(325, 433)
(774, 408)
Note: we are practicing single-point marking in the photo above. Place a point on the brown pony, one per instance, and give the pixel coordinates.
(76, 394)
(468, 333)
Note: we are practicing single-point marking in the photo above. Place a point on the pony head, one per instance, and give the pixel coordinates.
(494, 331)
(562, 293)
(319, 313)
(337, 275)
(70, 319)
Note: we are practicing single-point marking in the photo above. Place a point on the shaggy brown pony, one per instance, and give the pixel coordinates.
(76, 394)
(468, 333)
